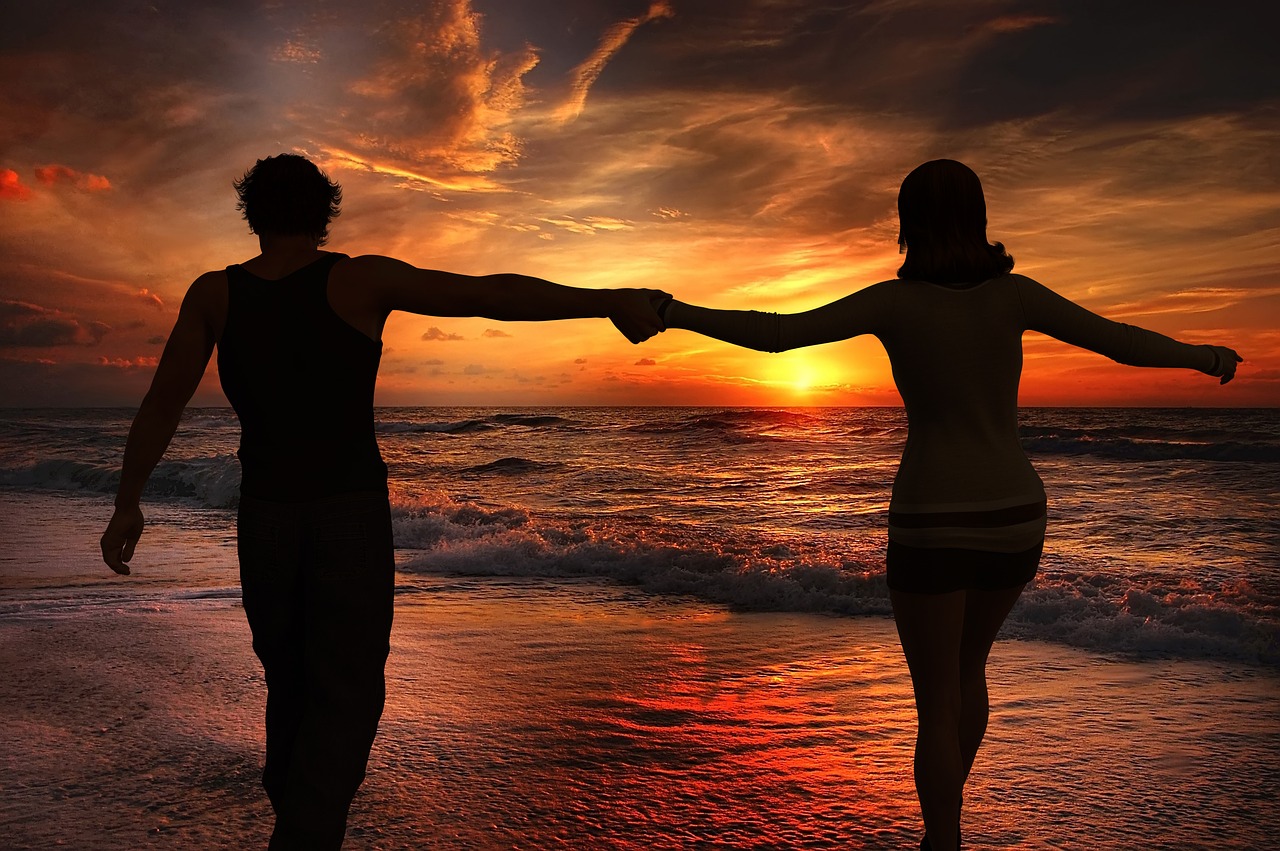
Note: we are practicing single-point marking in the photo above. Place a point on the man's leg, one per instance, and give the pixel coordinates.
(349, 588)
(268, 542)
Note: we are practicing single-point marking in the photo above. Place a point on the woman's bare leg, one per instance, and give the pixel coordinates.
(931, 628)
(984, 612)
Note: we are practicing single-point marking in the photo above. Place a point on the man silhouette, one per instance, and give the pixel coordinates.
(298, 332)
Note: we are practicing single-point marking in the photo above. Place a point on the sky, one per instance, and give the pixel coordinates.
(740, 154)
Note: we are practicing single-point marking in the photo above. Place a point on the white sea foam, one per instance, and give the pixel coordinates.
(1099, 612)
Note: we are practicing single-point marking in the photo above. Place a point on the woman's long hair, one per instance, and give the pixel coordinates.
(943, 216)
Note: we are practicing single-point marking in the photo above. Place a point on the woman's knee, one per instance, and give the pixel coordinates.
(939, 704)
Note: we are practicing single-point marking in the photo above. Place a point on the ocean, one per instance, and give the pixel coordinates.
(1164, 524)
(674, 610)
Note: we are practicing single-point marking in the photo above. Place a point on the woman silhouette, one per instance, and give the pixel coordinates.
(967, 515)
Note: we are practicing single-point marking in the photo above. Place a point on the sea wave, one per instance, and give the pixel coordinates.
(469, 425)
(446, 427)
(213, 482)
(733, 425)
(1110, 614)
(1052, 442)
(514, 466)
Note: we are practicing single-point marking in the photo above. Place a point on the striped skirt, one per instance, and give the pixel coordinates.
(937, 552)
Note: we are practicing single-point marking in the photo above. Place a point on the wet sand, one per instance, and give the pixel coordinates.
(534, 714)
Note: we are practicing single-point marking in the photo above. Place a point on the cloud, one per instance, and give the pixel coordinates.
(128, 363)
(494, 332)
(23, 324)
(434, 333)
(150, 298)
(11, 186)
(296, 51)
(585, 75)
(1016, 22)
(431, 97)
(646, 362)
(579, 360)
(53, 174)
(474, 369)
(157, 340)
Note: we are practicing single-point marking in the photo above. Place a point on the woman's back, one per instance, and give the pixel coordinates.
(956, 354)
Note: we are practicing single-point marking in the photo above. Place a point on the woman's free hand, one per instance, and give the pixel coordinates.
(1224, 364)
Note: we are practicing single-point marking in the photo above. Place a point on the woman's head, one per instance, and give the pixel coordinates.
(943, 218)
(287, 194)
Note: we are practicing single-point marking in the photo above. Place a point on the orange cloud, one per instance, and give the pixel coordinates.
(298, 52)
(11, 187)
(436, 99)
(150, 298)
(82, 180)
(128, 363)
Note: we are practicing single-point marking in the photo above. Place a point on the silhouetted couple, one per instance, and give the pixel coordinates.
(298, 332)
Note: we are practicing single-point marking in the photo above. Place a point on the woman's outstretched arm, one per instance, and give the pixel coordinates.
(1047, 312)
(858, 313)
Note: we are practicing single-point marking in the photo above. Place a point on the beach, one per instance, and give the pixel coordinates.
(536, 713)
(655, 629)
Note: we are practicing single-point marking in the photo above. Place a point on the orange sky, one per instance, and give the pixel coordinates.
(736, 154)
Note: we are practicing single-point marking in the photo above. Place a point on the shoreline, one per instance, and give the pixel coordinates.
(531, 713)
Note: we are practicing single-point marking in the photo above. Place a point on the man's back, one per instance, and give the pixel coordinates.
(301, 380)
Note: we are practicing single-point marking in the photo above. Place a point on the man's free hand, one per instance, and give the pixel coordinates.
(121, 537)
(632, 313)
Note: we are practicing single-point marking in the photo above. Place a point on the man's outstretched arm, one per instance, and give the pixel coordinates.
(396, 285)
(177, 375)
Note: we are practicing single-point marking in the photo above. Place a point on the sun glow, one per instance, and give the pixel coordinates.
(805, 373)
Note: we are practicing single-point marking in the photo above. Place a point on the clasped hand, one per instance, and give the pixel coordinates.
(634, 313)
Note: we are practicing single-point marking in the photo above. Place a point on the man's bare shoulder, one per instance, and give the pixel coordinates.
(207, 297)
(375, 265)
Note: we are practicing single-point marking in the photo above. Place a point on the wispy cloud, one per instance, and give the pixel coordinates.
(585, 75)
(150, 298)
(434, 98)
(50, 175)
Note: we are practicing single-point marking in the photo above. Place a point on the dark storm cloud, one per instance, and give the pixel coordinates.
(1128, 61)
(139, 95)
(30, 325)
(970, 63)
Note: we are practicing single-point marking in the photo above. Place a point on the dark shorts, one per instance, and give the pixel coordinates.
(941, 570)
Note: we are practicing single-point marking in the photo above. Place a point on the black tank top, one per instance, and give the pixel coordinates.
(301, 381)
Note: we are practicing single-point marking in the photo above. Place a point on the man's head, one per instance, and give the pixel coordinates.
(287, 194)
